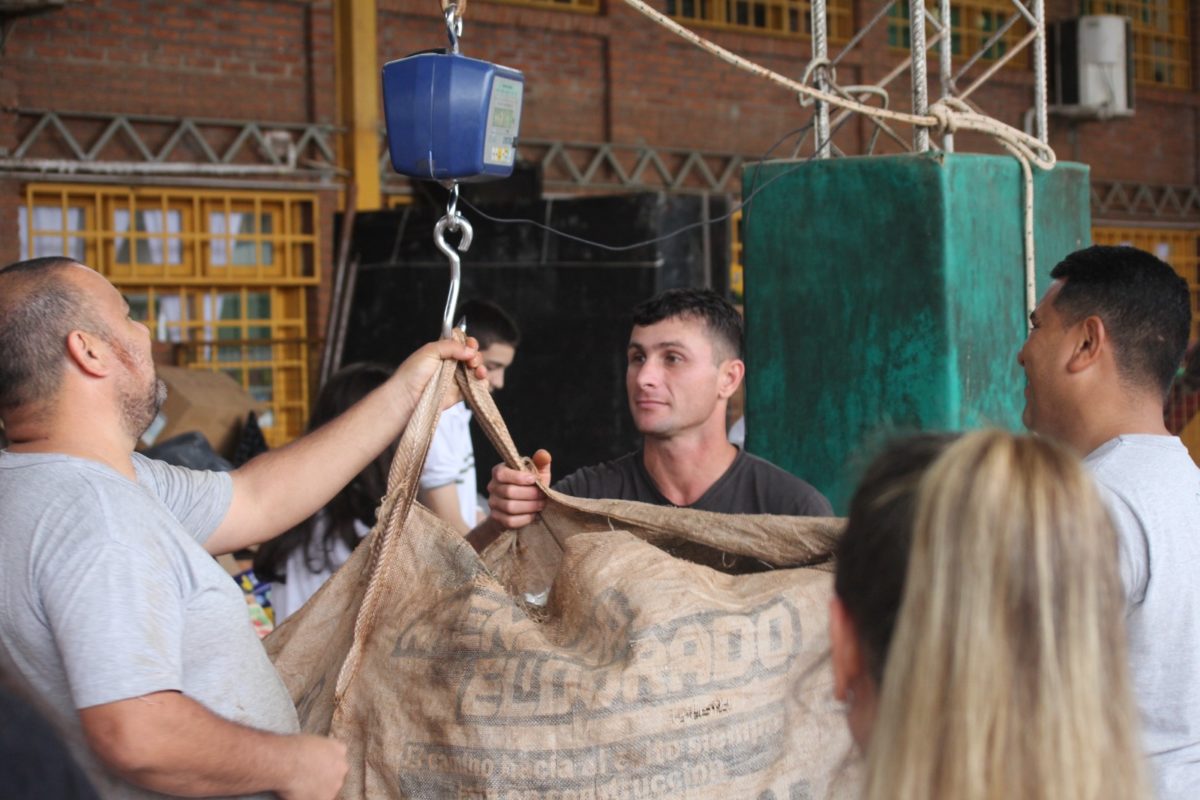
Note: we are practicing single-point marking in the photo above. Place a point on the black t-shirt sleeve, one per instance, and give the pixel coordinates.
(810, 502)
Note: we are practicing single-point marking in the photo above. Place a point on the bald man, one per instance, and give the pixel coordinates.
(116, 614)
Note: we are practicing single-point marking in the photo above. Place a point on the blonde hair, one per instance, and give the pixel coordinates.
(1007, 674)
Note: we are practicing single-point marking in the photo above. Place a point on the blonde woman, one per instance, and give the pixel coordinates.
(977, 627)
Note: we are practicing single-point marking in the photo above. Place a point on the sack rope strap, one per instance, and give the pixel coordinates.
(403, 480)
(404, 477)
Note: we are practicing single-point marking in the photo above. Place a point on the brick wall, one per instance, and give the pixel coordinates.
(172, 57)
(617, 77)
(611, 76)
(267, 60)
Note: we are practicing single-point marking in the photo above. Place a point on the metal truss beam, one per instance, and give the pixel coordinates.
(136, 147)
(600, 166)
(1122, 201)
(59, 142)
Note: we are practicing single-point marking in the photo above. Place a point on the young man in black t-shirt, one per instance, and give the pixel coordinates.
(684, 363)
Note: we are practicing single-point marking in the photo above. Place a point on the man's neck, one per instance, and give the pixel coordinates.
(685, 467)
(1138, 417)
(114, 450)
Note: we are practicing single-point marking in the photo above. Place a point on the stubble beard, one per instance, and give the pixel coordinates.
(139, 404)
(140, 407)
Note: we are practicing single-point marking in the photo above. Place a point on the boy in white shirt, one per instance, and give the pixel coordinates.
(448, 486)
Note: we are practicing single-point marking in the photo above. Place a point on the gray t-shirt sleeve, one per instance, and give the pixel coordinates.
(115, 610)
(1133, 548)
(199, 499)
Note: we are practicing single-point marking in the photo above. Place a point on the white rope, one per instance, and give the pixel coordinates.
(946, 116)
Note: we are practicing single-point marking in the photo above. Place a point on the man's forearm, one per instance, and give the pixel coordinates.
(283, 487)
(280, 488)
(171, 744)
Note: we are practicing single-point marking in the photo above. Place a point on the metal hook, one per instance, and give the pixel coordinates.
(452, 223)
(454, 26)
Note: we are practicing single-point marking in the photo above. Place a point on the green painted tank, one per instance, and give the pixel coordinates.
(886, 295)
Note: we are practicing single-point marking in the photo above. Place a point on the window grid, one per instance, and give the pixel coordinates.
(1180, 249)
(285, 254)
(584, 6)
(972, 24)
(256, 335)
(791, 18)
(228, 300)
(1162, 42)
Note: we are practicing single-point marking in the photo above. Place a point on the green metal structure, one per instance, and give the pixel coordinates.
(886, 295)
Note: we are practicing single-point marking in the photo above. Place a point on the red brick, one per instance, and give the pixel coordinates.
(612, 76)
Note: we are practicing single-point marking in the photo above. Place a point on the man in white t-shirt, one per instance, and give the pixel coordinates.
(1105, 343)
(448, 486)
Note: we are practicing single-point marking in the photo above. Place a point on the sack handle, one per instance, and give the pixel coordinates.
(479, 398)
(404, 477)
(403, 480)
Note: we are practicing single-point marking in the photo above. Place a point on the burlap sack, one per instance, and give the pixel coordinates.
(644, 675)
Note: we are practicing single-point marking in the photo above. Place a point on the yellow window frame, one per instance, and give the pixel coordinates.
(1162, 38)
(123, 249)
(254, 334)
(294, 240)
(249, 319)
(972, 23)
(788, 18)
(580, 6)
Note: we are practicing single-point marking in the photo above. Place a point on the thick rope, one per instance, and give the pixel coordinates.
(947, 115)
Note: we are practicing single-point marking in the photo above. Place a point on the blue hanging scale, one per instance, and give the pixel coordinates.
(452, 119)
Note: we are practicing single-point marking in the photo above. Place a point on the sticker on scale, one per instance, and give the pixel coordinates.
(504, 117)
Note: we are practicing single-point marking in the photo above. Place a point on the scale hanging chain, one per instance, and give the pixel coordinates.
(454, 24)
(452, 206)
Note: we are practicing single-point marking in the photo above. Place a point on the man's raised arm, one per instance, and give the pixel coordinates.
(279, 489)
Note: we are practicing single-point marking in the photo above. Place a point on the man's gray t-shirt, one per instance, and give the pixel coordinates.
(108, 595)
(751, 485)
(1152, 488)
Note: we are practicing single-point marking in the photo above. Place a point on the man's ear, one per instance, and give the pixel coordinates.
(846, 652)
(89, 353)
(732, 371)
(1089, 344)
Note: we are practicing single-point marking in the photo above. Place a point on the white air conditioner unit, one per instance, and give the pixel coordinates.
(1091, 67)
